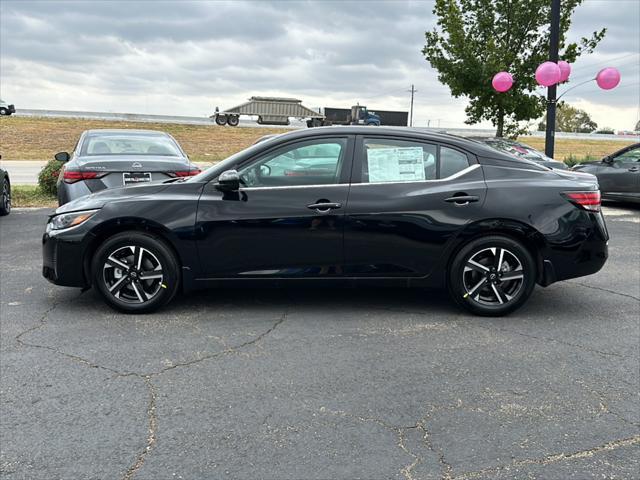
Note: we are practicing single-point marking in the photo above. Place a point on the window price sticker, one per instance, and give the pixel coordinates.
(399, 164)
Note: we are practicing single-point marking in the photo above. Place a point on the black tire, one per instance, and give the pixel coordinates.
(134, 292)
(477, 284)
(4, 111)
(221, 120)
(233, 120)
(5, 198)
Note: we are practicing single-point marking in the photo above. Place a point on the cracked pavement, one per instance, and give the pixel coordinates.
(319, 384)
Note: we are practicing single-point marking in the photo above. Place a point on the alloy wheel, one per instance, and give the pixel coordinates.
(493, 276)
(133, 274)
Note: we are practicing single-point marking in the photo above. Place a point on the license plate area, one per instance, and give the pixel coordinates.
(129, 178)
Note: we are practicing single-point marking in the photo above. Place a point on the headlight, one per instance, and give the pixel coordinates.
(68, 220)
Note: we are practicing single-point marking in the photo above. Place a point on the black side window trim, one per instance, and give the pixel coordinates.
(358, 156)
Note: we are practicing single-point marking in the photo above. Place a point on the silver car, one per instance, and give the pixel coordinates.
(116, 158)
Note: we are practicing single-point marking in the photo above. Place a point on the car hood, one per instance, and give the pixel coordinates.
(99, 199)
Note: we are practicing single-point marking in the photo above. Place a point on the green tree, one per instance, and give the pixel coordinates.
(475, 39)
(571, 119)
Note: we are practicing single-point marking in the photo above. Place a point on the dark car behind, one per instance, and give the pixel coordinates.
(521, 150)
(618, 174)
(114, 158)
(5, 193)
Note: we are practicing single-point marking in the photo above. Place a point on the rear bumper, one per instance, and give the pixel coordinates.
(583, 254)
(62, 261)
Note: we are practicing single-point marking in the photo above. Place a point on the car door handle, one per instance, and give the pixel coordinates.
(462, 199)
(324, 207)
(634, 169)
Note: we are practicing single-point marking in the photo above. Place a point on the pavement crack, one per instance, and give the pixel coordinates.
(554, 458)
(554, 340)
(603, 290)
(229, 350)
(399, 431)
(152, 429)
(604, 404)
(445, 467)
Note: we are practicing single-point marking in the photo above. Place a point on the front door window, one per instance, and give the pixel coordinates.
(310, 163)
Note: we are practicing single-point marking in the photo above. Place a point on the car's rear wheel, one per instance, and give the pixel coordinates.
(5, 199)
(492, 276)
(4, 111)
(136, 272)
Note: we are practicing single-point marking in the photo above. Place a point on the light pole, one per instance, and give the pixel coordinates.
(554, 40)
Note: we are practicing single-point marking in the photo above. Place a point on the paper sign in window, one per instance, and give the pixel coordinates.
(399, 164)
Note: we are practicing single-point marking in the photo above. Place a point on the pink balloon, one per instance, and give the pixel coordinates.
(565, 70)
(547, 74)
(608, 78)
(502, 82)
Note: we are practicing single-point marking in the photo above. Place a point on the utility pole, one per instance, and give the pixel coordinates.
(554, 39)
(413, 90)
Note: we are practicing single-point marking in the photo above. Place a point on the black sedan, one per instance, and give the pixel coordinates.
(113, 158)
(618, 174)
(389, 206)
(5, 193)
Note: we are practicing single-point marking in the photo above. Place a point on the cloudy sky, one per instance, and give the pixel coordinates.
(184, 58)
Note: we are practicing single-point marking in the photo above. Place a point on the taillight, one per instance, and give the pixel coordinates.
(187, 173)
(586, 200)
(73, 176)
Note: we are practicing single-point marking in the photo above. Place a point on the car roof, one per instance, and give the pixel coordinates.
(425, 134)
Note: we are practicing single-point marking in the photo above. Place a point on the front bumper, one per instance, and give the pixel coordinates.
(62, 260)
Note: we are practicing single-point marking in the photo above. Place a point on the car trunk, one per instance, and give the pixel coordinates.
(130, 170)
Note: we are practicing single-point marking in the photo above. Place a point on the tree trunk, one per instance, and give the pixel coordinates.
(500, 122)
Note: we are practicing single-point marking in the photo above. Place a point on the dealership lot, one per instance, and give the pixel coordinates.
(319, 383)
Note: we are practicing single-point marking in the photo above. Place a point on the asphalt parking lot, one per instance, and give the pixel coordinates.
(319, 384)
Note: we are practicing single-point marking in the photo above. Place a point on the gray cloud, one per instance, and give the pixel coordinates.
(144, 55)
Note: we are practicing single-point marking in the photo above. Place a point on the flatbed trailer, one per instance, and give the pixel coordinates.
(270, 111)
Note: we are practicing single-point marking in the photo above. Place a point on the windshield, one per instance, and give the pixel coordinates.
(129, 144)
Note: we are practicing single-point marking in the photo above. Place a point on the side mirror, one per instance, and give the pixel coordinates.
(228, 181)
(608, 160)
(62, 156)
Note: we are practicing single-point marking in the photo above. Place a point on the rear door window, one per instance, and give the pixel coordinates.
(390, 160)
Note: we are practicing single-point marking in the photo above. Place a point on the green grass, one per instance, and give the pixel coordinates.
(31, 196)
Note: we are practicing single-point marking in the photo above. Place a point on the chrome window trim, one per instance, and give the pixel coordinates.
(286, 187)
(469, 169)
(462, 172)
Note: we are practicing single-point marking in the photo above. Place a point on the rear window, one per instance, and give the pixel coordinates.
(119, 144)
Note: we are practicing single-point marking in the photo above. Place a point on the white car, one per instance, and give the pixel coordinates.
(6, 109)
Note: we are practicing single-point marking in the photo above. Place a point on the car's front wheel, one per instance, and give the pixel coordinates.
(492, 276)
(136, 272)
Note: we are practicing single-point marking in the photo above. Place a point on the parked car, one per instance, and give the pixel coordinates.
(5, 193)
(618, 174)
(522, 150)
(390, 206)
(114, 158)
(6, 109)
